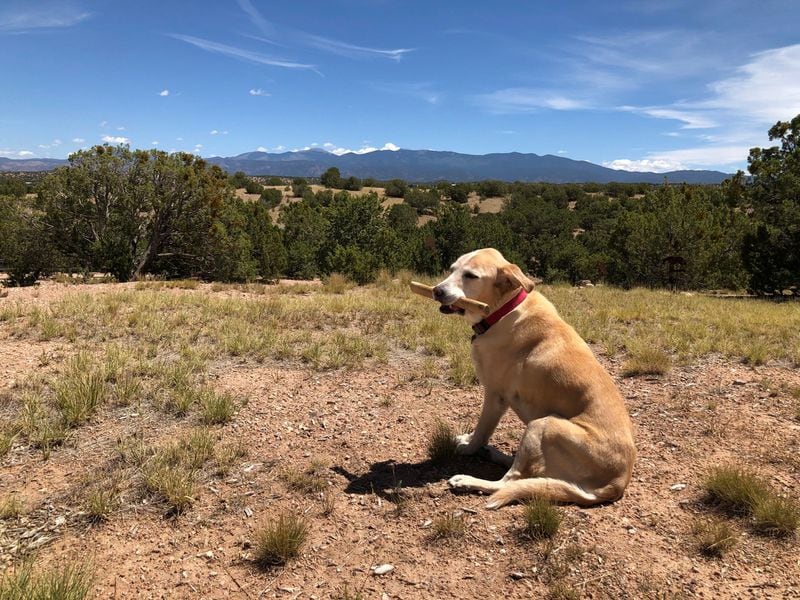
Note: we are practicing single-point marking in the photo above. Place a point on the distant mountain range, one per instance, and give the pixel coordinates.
(422, 165)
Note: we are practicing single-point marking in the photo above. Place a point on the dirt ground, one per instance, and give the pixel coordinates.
(370, 427)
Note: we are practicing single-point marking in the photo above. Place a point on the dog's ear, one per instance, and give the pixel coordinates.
(510, 277)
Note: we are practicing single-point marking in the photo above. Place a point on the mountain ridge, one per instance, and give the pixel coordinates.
(422, 166)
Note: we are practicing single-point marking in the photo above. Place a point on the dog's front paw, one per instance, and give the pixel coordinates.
(458, 481)
(464, 444)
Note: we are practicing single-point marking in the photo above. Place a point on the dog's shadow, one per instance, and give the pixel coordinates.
(387, 478)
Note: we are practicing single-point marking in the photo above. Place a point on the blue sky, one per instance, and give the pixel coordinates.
(642, 85)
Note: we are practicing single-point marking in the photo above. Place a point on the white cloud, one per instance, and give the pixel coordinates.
(179, 139)
(317, 41)
(154, 143)
(562, 152)
(261, 149)
(213, 132)
(51, 16)
(645, 164)
(527, 100)
(365, 150)
(8, 153)
(766, 89)
(258, 92)
(163, 93)
(240, 53)
(103, 123)
(54, 144)
(78, 140)
(691, 120)
(736, 110)
(704, 157)
(110, 139)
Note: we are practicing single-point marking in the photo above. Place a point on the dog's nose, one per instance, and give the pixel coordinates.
(438, 293)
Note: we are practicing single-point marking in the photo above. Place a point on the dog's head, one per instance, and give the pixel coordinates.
(482, 275)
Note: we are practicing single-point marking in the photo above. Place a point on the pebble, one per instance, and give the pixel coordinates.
(677, 487)
(517, 575)
(382, 569)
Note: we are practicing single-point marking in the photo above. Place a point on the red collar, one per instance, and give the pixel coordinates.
(484, 325)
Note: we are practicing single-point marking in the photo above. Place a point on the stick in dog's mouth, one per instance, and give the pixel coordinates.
(458, 306)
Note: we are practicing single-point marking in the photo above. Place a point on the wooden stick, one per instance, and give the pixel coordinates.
(462, 303)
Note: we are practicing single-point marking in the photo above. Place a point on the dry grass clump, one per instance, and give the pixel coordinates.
(448, 527)
(170, 472)
(11, 507)
(80, 390)
(740, 492)
(310, 480)
(714, 538)
(280, 540)
(216, 408)
(70, 582)
(442, 442)
(541, 519)
(647, 361)
(336, 283)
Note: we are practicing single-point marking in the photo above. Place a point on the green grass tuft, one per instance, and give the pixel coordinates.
(68, 582)
(280, 540)
(542, 519)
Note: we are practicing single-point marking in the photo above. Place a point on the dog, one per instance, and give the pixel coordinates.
(578, 445)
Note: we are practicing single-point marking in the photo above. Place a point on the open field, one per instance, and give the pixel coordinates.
(151, 433)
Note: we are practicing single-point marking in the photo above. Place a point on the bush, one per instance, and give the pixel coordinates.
(396, 188)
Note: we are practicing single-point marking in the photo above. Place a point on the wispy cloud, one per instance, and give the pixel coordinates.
(318, 42)
(737, 111)
(164, 93)
(690, 119)
(53, 15)
(118, 139)
(258, 92)
(217, 132)
(351, 50)
(527, 100)
(424, 91)
(78, 140)
(240, 53)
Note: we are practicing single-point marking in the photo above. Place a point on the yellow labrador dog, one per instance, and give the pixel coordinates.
(578, 441)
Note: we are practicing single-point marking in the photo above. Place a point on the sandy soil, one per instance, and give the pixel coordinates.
(370, 427)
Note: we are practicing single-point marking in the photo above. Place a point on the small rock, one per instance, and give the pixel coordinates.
(677, 487)
(517, 575)
(248, 511)
(739, 382)
(382, 569)
(60, 521)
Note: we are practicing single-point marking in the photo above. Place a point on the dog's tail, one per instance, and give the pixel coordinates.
(556, 490)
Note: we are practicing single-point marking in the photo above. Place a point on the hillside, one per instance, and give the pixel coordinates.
(422, 165)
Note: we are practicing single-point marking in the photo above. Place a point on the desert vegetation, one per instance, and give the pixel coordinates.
(305, 431)
(147, 213)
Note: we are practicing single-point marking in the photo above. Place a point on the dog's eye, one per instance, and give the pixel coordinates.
(469, 275)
